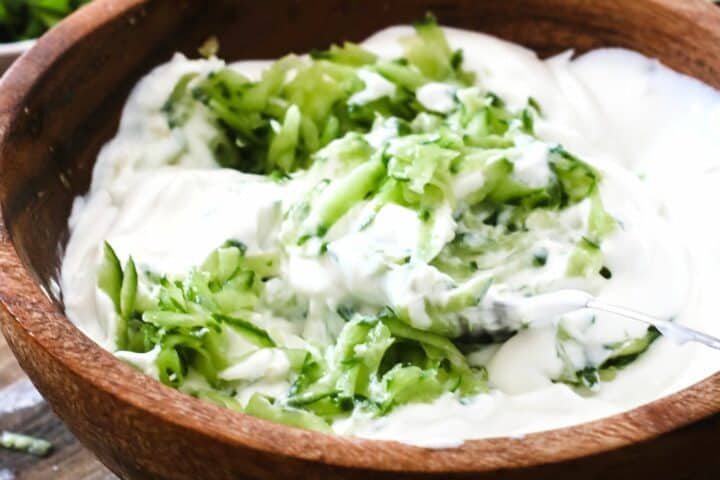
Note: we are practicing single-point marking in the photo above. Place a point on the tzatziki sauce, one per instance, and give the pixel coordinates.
(158, 195)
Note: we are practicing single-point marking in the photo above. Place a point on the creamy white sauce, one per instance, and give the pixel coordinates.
(157, 195)
(268, 363)
(531, 168)
(376, 87)
(438, 97)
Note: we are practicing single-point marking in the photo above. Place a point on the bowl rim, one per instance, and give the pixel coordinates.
(242, 431)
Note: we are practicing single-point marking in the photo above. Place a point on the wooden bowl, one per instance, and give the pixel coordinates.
(61, 102)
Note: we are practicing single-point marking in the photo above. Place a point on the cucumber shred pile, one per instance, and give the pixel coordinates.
(426, 137)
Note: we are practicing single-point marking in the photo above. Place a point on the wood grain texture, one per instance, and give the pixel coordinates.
(59, 104)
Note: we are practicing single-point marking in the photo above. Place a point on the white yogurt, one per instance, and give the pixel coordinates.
(624, 113)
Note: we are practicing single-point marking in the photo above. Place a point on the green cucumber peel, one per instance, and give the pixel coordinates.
(110, 275)
(25, 443)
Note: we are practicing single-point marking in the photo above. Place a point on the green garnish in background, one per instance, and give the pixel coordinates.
(27, 19)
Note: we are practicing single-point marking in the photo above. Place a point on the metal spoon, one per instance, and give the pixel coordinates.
(544, 307)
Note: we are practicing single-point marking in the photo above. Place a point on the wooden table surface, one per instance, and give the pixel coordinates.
(23, 410)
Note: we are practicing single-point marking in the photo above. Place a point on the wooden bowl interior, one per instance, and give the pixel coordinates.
(64, 99)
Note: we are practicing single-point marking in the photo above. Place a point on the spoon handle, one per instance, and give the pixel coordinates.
(678, 333)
